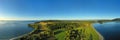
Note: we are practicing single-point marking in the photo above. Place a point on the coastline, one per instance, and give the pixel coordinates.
(18, 37)
(101, 37)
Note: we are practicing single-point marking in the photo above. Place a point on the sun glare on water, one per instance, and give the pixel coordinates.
(2, 19)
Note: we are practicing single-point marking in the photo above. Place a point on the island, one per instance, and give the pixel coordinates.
(116, 19)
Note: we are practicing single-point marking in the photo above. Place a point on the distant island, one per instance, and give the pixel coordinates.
(117, 19)
(64, 30)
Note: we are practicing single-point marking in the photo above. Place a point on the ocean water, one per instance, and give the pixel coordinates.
(11, 29)
(110, 30)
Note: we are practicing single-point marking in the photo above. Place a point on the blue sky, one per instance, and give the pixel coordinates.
(59, 9)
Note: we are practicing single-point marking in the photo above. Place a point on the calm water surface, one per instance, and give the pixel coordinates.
(110, 30)
(11, 29)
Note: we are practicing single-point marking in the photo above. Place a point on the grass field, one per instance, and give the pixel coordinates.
(90, 32)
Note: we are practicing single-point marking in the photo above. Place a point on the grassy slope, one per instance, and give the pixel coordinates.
(92, 32)
(61, 36)
(88, 31)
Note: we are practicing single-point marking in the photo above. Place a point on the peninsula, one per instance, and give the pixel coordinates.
(62, 30)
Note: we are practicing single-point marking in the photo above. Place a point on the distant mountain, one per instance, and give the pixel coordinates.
(116, 19)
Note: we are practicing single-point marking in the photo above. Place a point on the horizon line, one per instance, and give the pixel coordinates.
(61, 19)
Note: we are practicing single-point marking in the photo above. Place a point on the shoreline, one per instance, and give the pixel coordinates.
(18, 37)
(101, 37)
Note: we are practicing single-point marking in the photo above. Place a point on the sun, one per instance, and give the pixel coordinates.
(3, 19)
(7, 19)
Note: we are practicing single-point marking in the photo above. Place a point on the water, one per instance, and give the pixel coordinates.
(11, 29)
(110, 30)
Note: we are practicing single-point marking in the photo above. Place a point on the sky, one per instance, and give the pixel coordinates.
(59, 9)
